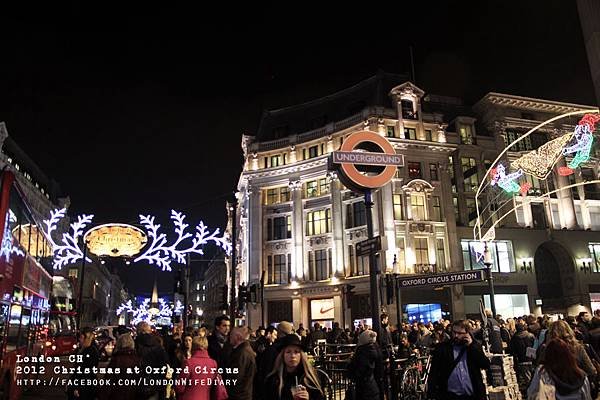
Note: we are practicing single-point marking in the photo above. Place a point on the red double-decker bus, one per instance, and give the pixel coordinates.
(25, 285)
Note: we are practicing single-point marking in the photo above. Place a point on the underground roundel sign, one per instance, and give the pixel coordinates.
(366, 160)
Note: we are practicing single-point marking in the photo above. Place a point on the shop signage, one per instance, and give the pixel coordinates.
(357, 151)
(454, 278)
(322, 309)
(115, 240)
(369, 246)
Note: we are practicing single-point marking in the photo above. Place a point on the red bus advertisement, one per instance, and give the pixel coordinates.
(25, 284)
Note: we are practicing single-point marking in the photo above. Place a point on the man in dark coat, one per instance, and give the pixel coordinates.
(337, 335)
(242, 358)
(152, 354)
(218, 348)
(314, 337)
(494, 334)
(456, 367)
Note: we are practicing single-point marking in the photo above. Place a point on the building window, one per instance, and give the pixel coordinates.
(277, 195)
(320, 267)
(401, 258)
(318, 222)
(391, 131)
(440, 255)
(316, 188)
(469, 170)
(466, 134)
(590, 190)
(313, 151)
(280, 270)
(421, 251)
(279, 228)
(595, 253)
(500, 250)
(398, 209)
(436, 209)
(73, 273)
(414, 170)
(356, 214)
(359, 265)
(428, 135)
(471, 211)
(433, 172)
(417, 204)
(410, 133)
(408, 110)
(276, 160)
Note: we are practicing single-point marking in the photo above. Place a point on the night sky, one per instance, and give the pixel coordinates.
(140, 109)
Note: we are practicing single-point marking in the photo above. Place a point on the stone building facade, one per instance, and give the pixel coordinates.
(298, 225)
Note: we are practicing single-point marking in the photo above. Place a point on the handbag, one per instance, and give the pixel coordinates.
(545, 389)
(350, 393)
(217, 390)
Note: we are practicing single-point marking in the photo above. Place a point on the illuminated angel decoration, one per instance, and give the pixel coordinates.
(584, 137)
(505, 181)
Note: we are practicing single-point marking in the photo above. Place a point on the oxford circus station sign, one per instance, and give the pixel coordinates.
(366, 161)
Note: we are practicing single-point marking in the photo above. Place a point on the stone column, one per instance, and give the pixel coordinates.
(298, 231)
(338, 227)
(527, 214)
(586, 218)
(255, 233)
(566, 208)
(387, 222)
(296, 311)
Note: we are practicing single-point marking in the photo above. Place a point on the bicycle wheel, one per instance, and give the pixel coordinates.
(409, 385)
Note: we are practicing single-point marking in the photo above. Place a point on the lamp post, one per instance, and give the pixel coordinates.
(397, 287)
(487, 261)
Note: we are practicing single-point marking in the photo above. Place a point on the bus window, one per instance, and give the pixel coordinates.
(13, 327)
(24, 331)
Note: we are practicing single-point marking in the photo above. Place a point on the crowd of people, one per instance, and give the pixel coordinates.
(552, 359)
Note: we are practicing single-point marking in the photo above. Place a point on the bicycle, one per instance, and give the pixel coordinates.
(413, 384)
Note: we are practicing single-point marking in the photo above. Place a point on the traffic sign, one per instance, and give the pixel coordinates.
(369, 246)
(453, 278)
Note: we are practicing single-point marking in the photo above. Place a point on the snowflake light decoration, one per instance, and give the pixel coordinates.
(68, 251)
(7, 247)
(159, 253)
(143, 313)
(162, 255)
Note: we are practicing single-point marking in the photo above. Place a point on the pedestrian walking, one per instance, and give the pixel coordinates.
(197, 381)
(152, 355)
(366, 367)
(559, 377)
(122, 358)
(218, 347)
(293, 378)
(243, 361)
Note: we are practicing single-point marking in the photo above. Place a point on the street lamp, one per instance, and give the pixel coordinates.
(397, 284)
(488, 261)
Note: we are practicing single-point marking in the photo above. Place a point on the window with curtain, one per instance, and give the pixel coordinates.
(417, 204)
(436, 209)
(318, 222)
(421, 251)
(397, 202)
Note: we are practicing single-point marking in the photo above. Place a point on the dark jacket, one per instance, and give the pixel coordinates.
(366, 371)
(242, 358)
(151, 354)
(289, 380)
(219, 349)
(121, 359)
(441, 364)
(337, 336)
(495, 338)
(314, 337)
(518, 345)
(91, 357)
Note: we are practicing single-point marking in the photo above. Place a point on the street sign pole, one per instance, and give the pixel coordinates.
(373, 271)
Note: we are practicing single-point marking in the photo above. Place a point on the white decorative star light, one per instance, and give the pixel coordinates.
(68, 252)
(142, 312)
(162, 255)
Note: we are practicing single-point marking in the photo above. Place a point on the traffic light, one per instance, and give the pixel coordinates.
(253, 293)
(349, 294)
(177, 284)
(224, 303)
(389, 289)
(243, 295)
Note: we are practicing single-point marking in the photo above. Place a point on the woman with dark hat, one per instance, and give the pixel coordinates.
(293, 378)
(366, 366)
